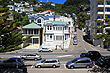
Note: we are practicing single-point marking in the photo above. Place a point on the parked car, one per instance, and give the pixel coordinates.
(93, 55)
(12, 62)
(33, 56)
(103, 62)
(45, 50)
(50, 62)
(75, 40)
(79, 62)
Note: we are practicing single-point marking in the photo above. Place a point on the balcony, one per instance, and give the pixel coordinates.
(100, 13)
(107, 13)
(99, 6)
(108, 6)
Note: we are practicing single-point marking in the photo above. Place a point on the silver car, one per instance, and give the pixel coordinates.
(79, 62)
(34, 56)
(50, 62)
(45, 50)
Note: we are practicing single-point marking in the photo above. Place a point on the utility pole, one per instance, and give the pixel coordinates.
(47, 1)
(63, 38)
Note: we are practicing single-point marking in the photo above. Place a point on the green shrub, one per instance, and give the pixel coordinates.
(17, 47)
(25, 45)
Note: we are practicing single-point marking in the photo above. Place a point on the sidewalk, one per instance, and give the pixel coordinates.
(95, 47)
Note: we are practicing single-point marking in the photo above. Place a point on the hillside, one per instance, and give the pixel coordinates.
(76, 2)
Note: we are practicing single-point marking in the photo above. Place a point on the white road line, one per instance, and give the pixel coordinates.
(64, 66)
(64, 56)
(17, 56)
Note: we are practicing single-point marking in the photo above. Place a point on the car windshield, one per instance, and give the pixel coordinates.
(74, 60)
(42, 61)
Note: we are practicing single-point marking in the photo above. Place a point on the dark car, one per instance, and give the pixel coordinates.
(12, 62)
(103, 62)
(93, 55)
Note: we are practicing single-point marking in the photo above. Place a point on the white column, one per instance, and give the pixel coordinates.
(27, 31)
(32, 43)
(39, 41)
(33, 31)
(39, 31)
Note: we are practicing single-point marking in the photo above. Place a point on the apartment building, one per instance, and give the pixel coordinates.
(100, 9)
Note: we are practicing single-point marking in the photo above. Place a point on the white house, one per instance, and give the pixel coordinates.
(40, 20)
(20, 9)
(32, 29)
(56, 33)
(29, 9)
(11, 7)
(18, 4)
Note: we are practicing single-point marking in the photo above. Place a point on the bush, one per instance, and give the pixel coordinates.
(25, 45)
(16, 48)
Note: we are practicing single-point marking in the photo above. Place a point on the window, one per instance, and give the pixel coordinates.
(46, 61)
(98, 31)
(47, 27)
(53, 28)
(59, 38)
(39, 21)
(50, 36)
(54, 61)
(50, 27)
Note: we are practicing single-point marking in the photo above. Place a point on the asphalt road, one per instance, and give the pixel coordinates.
(63, 55)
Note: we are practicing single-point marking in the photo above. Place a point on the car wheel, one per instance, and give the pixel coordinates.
(54, 66)
(71, 67)
(35, 59)
(23, 58)
(87, 66)
(50, 51)
(38, 66)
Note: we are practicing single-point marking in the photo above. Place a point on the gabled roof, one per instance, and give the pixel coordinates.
(32, 25)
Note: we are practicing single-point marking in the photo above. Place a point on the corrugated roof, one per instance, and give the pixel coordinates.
(32, 25)
(57, 23)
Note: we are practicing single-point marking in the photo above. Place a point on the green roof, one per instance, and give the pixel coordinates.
(57, 23)
(32, 25)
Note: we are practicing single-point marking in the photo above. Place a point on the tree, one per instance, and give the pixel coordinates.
(10, 36)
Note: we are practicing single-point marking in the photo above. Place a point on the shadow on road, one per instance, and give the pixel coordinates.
(87, 39)
(13, 70)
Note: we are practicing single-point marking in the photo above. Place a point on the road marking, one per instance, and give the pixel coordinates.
(17, 56)
(64, 56)
(64, 66)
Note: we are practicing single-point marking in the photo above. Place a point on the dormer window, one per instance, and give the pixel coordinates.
(39, 20)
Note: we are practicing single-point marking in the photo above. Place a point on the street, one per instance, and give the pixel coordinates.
(63, 55)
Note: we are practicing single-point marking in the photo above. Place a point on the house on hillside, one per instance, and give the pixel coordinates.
(38, 19)
(19, 9)
(35, 30)
(29, 9)
(11, 7)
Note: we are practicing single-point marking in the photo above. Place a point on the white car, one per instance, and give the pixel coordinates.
(45, 50)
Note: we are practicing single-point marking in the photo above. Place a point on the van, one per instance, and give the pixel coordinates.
(79, 62)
